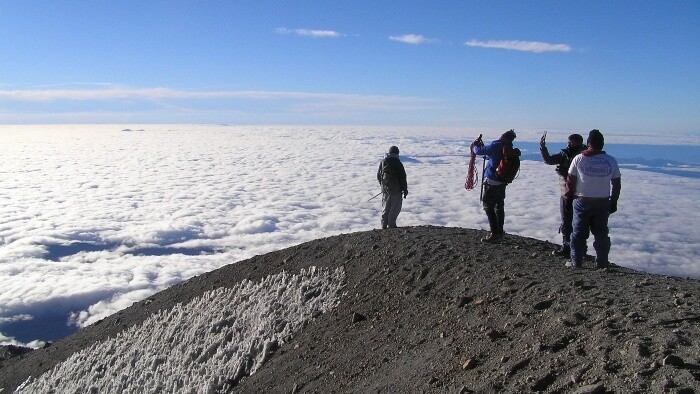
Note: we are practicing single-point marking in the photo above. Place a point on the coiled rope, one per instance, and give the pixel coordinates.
(472, 172)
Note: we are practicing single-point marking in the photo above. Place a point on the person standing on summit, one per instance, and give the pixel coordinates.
(563, 160)
(592, 190)
(392, 178)
(494, 188)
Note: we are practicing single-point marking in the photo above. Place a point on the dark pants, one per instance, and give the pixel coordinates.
(493, 202)
(567, 216)
(590, 216)
(391, 207)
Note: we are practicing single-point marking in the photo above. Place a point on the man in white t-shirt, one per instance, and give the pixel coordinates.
(592, 189)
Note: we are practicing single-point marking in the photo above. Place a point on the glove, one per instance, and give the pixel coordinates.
(405, 193)
(613, 206)
(543, 143)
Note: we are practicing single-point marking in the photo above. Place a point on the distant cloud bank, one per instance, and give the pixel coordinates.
(129, 93)
(523, 46)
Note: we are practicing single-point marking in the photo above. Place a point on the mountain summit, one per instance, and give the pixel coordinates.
(415, 309)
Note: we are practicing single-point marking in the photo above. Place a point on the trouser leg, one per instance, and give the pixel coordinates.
(396, 204)
(567, 216)
(492, 217)
(600, 231)
(391, 209)
(501, 214)
(493, 209)
(385, 210)
(580, 233)
(494, 206)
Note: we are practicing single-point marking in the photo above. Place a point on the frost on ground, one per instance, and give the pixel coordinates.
(204, 346)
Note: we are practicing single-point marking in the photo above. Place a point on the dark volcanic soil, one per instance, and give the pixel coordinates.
(431, 309)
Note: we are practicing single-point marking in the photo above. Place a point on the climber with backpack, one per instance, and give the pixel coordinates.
(502, 166)
(392, 178)
(563, 160)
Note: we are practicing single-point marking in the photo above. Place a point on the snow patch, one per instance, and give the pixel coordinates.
(204, 346)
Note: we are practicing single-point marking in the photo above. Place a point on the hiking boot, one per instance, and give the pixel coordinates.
(493, 238)
(563, 251)
(570, 264)
(602, 265)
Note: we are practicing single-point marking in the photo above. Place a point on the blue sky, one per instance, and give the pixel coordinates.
(622, 67)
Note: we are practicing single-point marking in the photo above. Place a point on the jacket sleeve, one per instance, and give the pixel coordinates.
(550, 159)
(402, 177)
(379, 173)
(494, 153)
(481, 150)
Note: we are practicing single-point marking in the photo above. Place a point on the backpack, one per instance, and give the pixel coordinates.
(390, 179)
(509, 165)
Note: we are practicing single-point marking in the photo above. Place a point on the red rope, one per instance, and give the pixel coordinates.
(472, 173)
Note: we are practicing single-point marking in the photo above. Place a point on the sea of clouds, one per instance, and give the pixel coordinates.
(94, 218)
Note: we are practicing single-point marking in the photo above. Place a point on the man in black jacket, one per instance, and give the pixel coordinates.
(562, 160)
(392, 178)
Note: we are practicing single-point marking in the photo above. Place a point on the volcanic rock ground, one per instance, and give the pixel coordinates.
(433, 310)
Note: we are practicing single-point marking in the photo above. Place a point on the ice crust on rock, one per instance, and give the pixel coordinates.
(204, 346)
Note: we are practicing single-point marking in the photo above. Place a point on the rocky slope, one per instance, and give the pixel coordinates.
(431, 309)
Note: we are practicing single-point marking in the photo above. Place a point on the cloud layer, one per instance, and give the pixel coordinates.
(93, 218)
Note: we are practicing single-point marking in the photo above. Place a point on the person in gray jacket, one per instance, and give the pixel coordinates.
(392, 178)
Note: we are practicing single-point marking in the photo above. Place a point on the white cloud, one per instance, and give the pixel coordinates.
(524, 46)
(102, 309)
(12, 341)
(93, 218)
(414, 39)
(310, 33)
(12, 319)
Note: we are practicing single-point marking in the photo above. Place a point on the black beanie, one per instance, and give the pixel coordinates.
(596, 139)
(394, 150)
(508, 136)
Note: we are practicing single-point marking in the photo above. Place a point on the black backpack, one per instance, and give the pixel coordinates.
(509, 165)
(390, 179)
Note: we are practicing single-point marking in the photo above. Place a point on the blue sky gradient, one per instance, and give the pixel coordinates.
(622, 67)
